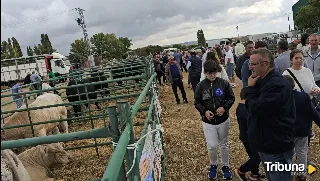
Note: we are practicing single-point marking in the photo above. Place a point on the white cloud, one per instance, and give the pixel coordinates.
(144, 21)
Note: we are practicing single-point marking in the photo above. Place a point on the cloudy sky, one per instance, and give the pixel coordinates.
(146, 22)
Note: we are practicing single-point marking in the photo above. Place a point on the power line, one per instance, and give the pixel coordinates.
(39, 19)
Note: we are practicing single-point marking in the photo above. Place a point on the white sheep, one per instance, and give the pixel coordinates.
(39, 160)
(11, 167)
(46, 86)
(38, 115)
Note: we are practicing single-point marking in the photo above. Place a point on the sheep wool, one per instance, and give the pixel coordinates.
(38, 115)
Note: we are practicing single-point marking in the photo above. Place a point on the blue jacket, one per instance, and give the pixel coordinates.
(241, 113)
(196, 67)
(306, 112)
(272, 113)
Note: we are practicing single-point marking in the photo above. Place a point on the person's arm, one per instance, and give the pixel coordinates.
(270, 99)
(315, 115)
(224, 74)
(230, 98)
(198, 102)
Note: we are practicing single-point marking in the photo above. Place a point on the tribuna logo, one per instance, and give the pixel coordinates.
(280, 167)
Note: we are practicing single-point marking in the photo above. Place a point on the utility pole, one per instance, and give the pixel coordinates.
(81, 22)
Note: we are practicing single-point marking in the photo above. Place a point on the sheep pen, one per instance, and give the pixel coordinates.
(86, 164)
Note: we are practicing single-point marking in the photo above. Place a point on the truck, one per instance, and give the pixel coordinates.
(17, 68)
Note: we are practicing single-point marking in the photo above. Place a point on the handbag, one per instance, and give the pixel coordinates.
(315, 100)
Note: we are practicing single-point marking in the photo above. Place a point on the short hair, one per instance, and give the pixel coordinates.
(283, 45)
(249, 42)
(243, 93)
(227, 43)
(238, 41)
(33, 72)
(266, 54)
(294, 53)
(290, 80)
(260, 44)
(211, 66)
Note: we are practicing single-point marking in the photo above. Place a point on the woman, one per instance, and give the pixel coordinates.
(303, 45)
(302, 74)
(211, 56)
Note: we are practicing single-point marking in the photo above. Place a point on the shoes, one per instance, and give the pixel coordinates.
(226, 173)
(213, 172)
(241, 176)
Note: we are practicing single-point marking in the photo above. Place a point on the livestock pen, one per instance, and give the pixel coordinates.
(118, 122)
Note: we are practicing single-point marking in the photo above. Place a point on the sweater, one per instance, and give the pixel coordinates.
(313, 62)
(305, 77)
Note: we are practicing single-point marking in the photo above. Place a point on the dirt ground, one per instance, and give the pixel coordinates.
(186, 152)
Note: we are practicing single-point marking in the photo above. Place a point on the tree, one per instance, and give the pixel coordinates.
(5, 50)
(16, 48)
(126, 42)
(107, 45)
(45, 46)
(29, 51)
(79, 50)
(201, 38)
(308, 17)
(150, 49)
(36, 49)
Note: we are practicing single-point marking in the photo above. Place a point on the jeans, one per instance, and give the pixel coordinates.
(18, 101)
(230, 69)
(175, 84)
(217, 135)
(301, 150)
(254, 159)
(194, 82)
(282, 158)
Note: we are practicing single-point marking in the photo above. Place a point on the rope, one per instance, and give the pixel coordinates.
(134, 146)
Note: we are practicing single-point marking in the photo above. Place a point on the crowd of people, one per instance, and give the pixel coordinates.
(279, 101)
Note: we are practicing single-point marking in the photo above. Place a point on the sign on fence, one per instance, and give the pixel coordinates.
(147, 157)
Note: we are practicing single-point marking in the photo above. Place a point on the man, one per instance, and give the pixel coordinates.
(243, 58)
(313, 58)
(239, 49)
(282, 62)
(245, 71)
(195, 70)
(174, 77)
(36, 80)
(229, 61)
(271, 108)
(16, 89)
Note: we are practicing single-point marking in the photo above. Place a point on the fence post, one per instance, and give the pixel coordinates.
(124, 109)
(115, 134)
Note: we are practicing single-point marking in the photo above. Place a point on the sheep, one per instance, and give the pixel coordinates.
(11, 167)
(46, 86)
(39, 115)
(39, 160)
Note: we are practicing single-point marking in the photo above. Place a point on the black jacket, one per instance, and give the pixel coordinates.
(272, 110)
(212, 95)
(196, 67)
(306, 112)
(239, 64)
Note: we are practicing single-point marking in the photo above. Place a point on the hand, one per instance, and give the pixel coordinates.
(220, 111)
(252, 81)
(209, 115)
(315, 91)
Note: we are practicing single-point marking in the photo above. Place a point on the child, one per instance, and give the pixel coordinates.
(174, 77)
(15, 90)
(254, 160)
(305, 113)
(213, 99)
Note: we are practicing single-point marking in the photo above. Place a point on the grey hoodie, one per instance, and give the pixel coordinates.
(313, 62)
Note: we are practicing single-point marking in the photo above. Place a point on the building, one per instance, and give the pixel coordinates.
(297, 6)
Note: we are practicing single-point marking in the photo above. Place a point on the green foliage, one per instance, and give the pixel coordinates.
(79, 50)
(201, 38)
(10, 49)
(308, 17)
(29, 51)
(150, 49)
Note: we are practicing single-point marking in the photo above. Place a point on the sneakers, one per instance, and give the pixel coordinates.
(213, 172)
(226, 173)
(241, 176)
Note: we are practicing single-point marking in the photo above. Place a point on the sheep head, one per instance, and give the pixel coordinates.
(55, 154)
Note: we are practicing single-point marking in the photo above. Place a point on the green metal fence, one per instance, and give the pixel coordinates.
(117, 123)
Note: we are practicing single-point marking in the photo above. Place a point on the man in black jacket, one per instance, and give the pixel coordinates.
(270, 103)
(195, 70)
(213, 99)
(243, 58)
